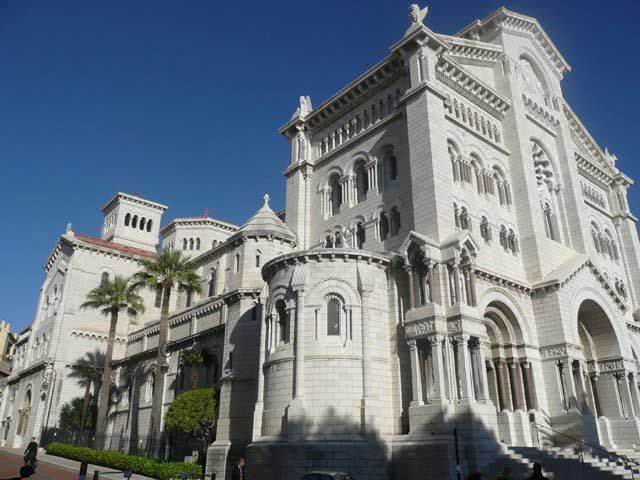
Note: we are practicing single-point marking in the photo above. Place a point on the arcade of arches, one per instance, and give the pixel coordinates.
(493, 362)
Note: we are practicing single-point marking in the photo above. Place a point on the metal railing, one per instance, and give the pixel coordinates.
(590, 448)
(172, 447)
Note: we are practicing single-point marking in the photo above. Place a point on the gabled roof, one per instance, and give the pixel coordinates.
(516, 21)
(98, 242)
(569, 268)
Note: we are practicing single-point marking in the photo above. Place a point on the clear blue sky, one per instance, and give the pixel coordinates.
(181, 101)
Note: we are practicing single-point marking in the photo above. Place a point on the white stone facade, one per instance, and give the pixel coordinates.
(458, 253)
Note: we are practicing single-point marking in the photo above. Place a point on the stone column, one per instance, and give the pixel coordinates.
(626, 395)
(581, 387)
(464, 368)
(367, 363)
(259, 406)
(412, 296)
(472, 287)
(633, 387)
(503, 388)
(567, 383)
(298, 391)
(529, 385)
(439, 372)
(416, 382)
(432, 285)
(456, 282)
(515, 382)
(484, 387)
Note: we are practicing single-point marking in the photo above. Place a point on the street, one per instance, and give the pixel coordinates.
(10, 469)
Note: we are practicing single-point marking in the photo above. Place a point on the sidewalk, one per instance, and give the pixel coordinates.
(105, 472)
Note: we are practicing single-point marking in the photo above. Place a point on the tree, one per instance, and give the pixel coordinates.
(170, 270)
(111, 298)
(88, 371)
(194, 360)
(194, 413)
(74, 419)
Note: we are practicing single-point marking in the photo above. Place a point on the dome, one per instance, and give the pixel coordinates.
(266, 222)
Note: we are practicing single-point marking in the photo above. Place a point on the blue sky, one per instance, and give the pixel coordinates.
(181, 101)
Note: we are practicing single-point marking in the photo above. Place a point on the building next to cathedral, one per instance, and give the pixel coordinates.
(456, 252)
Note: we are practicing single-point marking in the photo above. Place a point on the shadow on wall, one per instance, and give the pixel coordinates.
(338, 444)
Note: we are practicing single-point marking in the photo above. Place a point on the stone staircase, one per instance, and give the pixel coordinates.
(561, 464)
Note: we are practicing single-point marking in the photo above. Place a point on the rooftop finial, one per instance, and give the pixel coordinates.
(416, 14)
(69, 231)
(266, 199)
(206, 212)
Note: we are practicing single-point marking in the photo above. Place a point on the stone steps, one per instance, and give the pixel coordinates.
(561, 464)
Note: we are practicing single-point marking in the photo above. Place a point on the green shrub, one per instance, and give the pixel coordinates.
(121, 461)
(192, 412)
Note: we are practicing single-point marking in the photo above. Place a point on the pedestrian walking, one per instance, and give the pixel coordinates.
(238, 470)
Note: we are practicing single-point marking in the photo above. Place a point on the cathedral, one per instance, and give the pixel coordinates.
(455, 277)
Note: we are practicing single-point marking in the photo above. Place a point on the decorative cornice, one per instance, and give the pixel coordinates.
(473, 49)
(134, 199)
(522, 24)
(452, 74)
(587, 141)
(197, 222)
(385, 72)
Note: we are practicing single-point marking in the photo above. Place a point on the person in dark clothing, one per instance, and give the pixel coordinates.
(31, 452)
(537, 473)
(238, 470)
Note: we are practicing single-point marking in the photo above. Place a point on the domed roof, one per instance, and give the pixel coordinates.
(266, 222)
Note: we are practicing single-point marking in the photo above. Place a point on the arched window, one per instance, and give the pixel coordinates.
(485, 229)
(149, 224)
(390, 164)
(456, 215)
(189, 299)
(383, 225)
(184, 243)
(361, 235)
(333, 317)
(211, 291)
(151, 386)
(127, 219)
(328, 241)
(339, 242)
(465, 221)
(595, 235)
(281, 311)
(258, 259)
(549, 222)
(134, 221)
(104, 278)
(336, 193)
(191, 244)
(143, 221)
(394, 218)
(237, 263)
(503, 237)
(362, 182)
(512, 242)
(454, 156)
(197, 244)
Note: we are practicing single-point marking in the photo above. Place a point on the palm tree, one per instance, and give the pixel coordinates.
(194, 360)
(88, 371)
(168, 271)
(111, 298)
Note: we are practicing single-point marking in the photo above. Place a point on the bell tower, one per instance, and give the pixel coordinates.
(132, 220)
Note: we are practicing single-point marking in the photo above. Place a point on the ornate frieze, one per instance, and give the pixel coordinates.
(419, 328)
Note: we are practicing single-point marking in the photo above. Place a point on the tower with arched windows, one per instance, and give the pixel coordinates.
(132, 220)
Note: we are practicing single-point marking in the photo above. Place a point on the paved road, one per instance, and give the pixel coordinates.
(10, 469)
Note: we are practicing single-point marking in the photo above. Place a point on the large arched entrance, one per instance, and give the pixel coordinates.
(600, 384)
(509, 373)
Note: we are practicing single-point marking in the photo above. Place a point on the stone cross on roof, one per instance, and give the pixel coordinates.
(266, 200)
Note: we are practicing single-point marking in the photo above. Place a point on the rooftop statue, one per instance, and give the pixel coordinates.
(416, 14)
